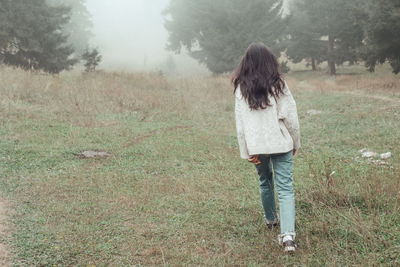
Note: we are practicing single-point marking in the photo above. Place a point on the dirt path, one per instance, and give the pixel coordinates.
(4, 252)
(343, 89)
(378, 97)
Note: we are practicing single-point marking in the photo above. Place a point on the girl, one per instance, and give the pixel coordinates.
(268, 134)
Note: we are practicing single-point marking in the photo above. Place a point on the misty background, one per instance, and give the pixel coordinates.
(196, 37)
(135, 28)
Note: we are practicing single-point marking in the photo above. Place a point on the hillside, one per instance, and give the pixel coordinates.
(173, 190)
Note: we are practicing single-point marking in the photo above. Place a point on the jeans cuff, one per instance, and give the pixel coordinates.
(276, 220)
(281, 236)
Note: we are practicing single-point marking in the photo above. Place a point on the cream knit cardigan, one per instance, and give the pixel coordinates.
(267, 131)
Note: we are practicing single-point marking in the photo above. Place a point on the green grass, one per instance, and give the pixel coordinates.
(174, 191)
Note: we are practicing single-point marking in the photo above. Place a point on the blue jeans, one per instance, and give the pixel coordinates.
(281, 166)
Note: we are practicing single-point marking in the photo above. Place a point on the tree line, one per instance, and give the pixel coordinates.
(53, 35)
(217, 33)
(48, 35)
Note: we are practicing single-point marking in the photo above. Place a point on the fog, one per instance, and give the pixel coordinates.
(131, 36)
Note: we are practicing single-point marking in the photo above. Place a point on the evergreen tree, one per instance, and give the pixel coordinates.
(79, 26)
(217, 33)
(31, 35)
(332, 31)
(92, 58)
(302, 42)
(382, 30)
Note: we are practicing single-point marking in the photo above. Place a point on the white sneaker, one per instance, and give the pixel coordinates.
(289, 246)
(288, 243)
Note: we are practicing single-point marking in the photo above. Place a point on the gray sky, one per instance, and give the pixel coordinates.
(131, 36)
(128, 31)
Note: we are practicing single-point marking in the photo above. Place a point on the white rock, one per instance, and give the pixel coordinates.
(369, 154)
(313, 112)
(386, 155)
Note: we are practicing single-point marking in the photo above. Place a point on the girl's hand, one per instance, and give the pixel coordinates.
(294, 152)
(254, 159)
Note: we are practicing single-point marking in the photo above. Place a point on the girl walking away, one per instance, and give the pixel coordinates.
(268, 133)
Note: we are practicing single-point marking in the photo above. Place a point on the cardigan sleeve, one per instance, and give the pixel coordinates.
(239, 128)
(287, 112)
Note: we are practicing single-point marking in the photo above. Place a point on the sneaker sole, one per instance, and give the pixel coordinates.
(272, 226)
(290, 249)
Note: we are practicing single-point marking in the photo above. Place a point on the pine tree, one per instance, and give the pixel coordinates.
(92, 58)
(79, 26)
(216, 33)
(382, 30)
(31, 36)
(332, 31)
(302, 42)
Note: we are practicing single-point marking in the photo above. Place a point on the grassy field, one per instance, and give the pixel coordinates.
(174, 190)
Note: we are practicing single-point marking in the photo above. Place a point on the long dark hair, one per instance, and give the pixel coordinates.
(258, 76)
